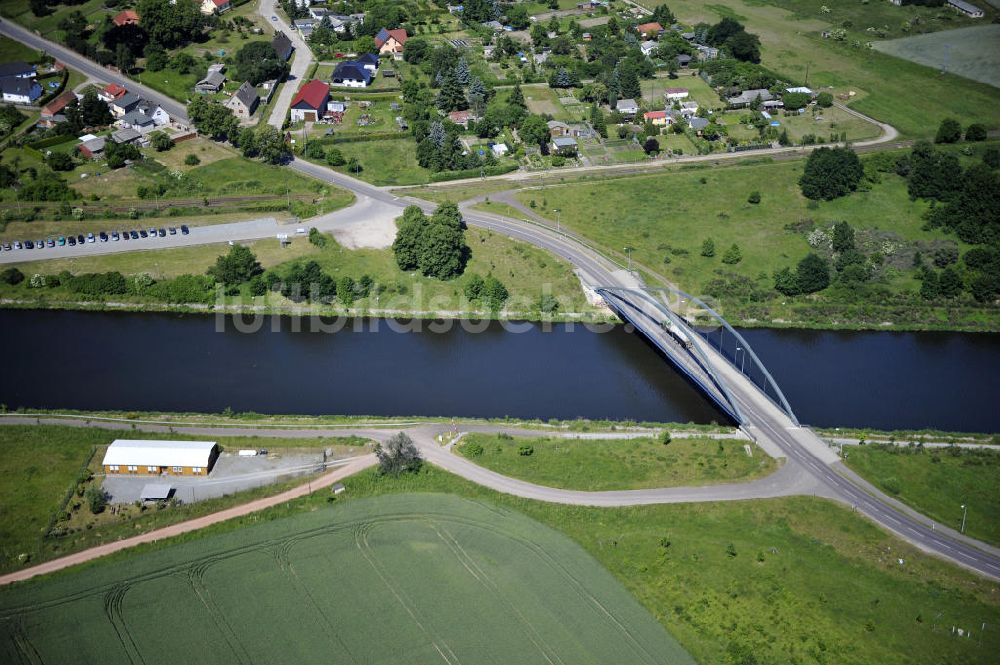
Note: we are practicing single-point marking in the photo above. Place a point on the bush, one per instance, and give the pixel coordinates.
(665, 438)
(335, 158)
(398, 455)
(472, 449)
(314, 150)
(975, 132)
(831, 173)
(824, 100)
(949, 131)
(754, 198)
(891, 485)
(708, 248)
(525, 450)
(96, 498)
(733, 255)
(60, 161)
(192, 160)
(12, 276)
(317, 238)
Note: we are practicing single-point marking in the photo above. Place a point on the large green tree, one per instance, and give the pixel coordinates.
(812, 274)
(831, 173)
(236, 267)
(257, 62)
(171, 24)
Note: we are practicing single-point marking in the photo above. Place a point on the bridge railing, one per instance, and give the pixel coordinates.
(732, 346)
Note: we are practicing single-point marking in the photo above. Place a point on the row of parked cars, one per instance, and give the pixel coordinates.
(103, 236)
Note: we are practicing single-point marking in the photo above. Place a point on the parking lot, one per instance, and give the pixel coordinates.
(230, 474)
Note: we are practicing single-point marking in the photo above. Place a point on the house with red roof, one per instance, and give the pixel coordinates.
(126, 17)
(391, 41)
(111, 92)
(658, 118)
(52, 112)
(646, 29)
(309, 103)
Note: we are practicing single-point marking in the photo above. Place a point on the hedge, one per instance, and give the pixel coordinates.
(473, 173)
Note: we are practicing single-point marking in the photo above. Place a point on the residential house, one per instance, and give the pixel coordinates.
(282, 45)
(650, 29)
(111, 92)
(747, 97)
(648, 47)
(244, 102)
(92, 148)
(683, 60)
(212, 82)
(138, 121)
(309, 103)
(689, 109)
(969, 10)
(627, 107)
(557, 128)
(564, 145)
(124, 104)
(580, 130)
(303, 4)
(319, 13)
(658, 118)
(17, 69)
(209, 7)
(675, 94)
(52, 113)
(802, 89)
(351, 74)
(463, 117)
(488, 51)
(698, 124)
(391, 41)
(157, 113)
(126, 135)
(126, 17)
(707, 52)
(18, 90)
(305, 26)
(369, 61)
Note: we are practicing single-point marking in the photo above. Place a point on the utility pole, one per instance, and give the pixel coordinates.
(965, 510)
(628, 250)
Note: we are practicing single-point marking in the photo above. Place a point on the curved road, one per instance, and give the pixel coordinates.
(808, 464)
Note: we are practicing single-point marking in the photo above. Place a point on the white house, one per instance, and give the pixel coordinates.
(675, 94)
(18, 90)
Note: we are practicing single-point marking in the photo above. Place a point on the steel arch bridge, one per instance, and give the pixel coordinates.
(649, 311)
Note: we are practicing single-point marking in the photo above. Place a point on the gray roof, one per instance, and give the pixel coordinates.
(626, 104)
(16, 68)
(555, 123)
(698, 123)
(564, 142)
(95, 144)
(748, 96)
(213, 81)
(125, 135)
(127, 101)
(282, 45)
(137, 118)
(247, 94)
(155, 491)
(965, 6)
(14, 85)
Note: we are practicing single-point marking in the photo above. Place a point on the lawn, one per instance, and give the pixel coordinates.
(456, 580)
(970, 52)
(42, 462)
(616, 464)
(542, 99)
(938, 482)
(14, 50)
(804, 580)
(889, 89)
(386, 162)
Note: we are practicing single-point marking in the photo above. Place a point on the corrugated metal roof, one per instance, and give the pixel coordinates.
(155, 491)
(124, 452)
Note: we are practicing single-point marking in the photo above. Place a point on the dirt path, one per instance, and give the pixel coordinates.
(191, 525)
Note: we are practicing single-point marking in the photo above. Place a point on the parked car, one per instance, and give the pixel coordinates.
(151, 231)
(80, 239)
(72, 241)
(6, 247)
(91, 238)
(184, 229)
(103, 236)
(163, 232)
(172, 230)
(40, 243)
(27, 244)
(142, 233)
(134, 235)
(50, 243)
(114, 236)
(62, 241)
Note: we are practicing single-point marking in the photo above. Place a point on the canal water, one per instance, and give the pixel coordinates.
(95, 360)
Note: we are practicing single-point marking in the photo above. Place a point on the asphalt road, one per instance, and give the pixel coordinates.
(301, 59)
(803, 449)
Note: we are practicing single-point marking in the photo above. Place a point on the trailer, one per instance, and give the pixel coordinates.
(677, 333)
(248, 453)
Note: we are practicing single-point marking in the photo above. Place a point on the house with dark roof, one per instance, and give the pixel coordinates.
(17, 90)
(282, 45)
(18, 69)
(747, 97)
(564, 145)
(213, 82)
(351, 74)
(244, 102)
(683, 60)
(137, 120)
(627, 107)
(124, 104)
(697, 124)
(309, 103)
(369, 60)
(127, 135)
(391, 41)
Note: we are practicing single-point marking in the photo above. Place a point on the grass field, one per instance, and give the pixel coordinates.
(616, 464)
(395, 579)
(970, 52)
(810, 582)
(42, 462)
(937, 483)
(889, 89)
(385, 162)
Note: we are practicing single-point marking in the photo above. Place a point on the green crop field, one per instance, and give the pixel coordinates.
(970, 52)
(615, 464)
(938, 482)
(397, 579)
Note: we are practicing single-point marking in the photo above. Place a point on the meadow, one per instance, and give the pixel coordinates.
(616, 464)
(395, 579)
(937, 482)
(970, 52)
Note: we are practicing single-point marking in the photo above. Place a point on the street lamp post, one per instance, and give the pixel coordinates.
(743, 359)
(558, 217)
(965, 510)
(628, 250)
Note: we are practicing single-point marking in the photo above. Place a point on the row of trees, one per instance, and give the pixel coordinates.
(216, 121)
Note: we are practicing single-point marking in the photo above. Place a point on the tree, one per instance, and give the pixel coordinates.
(192, 160)
(786, 282)
(96, 499)
(975, 132)
(494, 293)
(60, 161)
(345, 290)
(597, 120)
(171, 24)
(795, 100)
(12, 276)
(160, 141)
(452, 95)
(335, 158)
(708, 248)
(949, 131)
(271, 146)
(441, 249)
(534, 130)
(474, 288)
(722, 31)
(236, 267)
(843, 237)
(93, 111)
(949, 283)
(973, 214)
(156, 57)
(651, 146)
(39, 7)
(824, 100)
(929, 285)
(398, 455)
(405, 246)
(213, 119)
(417, 50)
(744, 46)
(365, 44)
(812, 274)
(117, 154)
(124, 59)
(831, 173)
(932, 172)
(663, 15)
(517, 97)
(754, 197)
(733, 255)
(257, 62)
